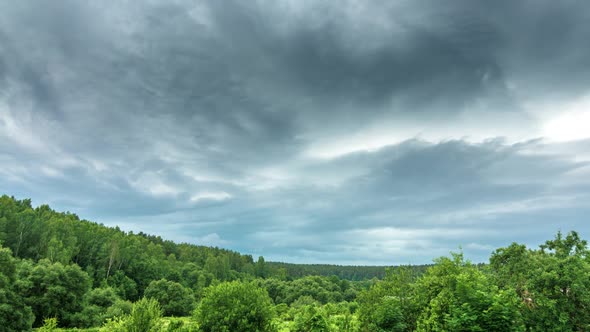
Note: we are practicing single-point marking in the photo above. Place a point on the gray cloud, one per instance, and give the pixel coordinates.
(306, 131)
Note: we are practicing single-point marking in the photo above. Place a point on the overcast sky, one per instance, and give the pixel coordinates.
(348, 132)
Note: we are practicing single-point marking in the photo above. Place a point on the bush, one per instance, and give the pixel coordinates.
(179, 325)
(145, 317)
(117, 324)
(49, 324)
(235, 307)
(311, 319)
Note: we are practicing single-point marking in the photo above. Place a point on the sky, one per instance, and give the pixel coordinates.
(344, 132)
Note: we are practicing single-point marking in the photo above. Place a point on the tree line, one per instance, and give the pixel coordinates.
(348, 272)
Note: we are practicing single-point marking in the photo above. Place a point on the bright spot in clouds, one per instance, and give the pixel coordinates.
(572, 122)
(210, 196)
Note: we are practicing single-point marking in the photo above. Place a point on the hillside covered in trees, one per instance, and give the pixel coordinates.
(59, 270)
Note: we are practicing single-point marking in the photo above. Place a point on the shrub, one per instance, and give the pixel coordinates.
(235, 307)
(311, 319)
(145, 317)
(49, 324)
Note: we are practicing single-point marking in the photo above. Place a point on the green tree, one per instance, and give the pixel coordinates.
(125, 287)
(53, 290)
(566, 279)
(96, 305)
(218, 266)
(551, 282)
(387, 316)
(260, 269)
(389, 304)
(15, 315)
(174, 299)
(235, 307)
(22, 230)
(456, 296)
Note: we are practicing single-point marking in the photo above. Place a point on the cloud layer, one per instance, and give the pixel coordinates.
(305, 131)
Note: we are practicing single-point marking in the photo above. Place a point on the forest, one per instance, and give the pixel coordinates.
(62, 273)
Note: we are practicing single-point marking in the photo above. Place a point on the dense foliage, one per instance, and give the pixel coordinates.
(176, 300)
(15, 315)
(353, 273)
(58, 270)
(145, 316)
(235, 307)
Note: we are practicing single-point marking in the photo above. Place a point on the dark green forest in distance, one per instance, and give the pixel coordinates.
(352, 273)
(60, 272)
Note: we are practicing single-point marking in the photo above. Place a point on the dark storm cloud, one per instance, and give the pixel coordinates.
(252, 122)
